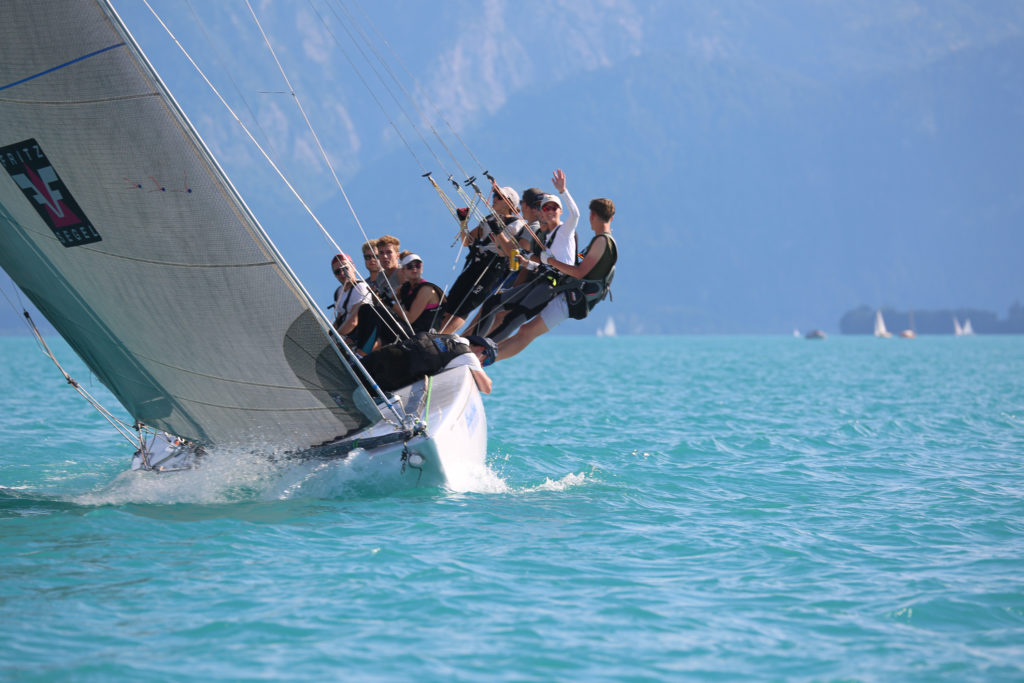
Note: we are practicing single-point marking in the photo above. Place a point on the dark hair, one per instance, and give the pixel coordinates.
(604, 208)
(532, 197)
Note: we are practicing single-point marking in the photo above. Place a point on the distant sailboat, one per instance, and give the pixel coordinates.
(609, 328)
(880, 330)
(909, 332)
(968, 329)
(957, 329)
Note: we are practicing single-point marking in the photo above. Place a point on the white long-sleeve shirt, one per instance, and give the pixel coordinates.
(563, 246)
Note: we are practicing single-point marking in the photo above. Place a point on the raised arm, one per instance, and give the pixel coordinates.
(558, 180)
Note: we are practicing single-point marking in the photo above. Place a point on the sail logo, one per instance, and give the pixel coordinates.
(39, 181)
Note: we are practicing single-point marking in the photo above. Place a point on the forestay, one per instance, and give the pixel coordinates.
(120, 227)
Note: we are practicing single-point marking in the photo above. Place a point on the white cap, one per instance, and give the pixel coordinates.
(409, 259)
(510, 194)
(550, 199)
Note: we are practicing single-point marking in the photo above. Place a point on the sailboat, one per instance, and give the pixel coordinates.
(965, 330)
(174, 296)
(880, 330)
(909, 333)
(608, 329)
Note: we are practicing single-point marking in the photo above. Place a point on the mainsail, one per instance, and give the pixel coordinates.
(880, 330)
(121, 228)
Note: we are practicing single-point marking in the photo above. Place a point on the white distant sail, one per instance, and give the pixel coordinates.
(968, 329)
(172, 294)
(609, 328)
(957, 330)
(880, 330)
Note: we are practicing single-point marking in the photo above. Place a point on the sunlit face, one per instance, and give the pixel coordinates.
(370, 259)
(342, 271)
(388, 255)
(413, 272)
(551, 214)
(501, 206)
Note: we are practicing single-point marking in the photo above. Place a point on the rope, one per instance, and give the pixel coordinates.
(327, 160)
(122, 427)
(330, 328)
(449, 204)
(426, 408)
(424, 91)
(227, 73)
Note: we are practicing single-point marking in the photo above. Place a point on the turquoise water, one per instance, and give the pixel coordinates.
(655, 509)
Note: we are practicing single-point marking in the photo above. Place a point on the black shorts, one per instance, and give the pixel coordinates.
(375, 324)
(474, 284)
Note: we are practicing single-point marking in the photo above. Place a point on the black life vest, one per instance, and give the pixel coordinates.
(407, 294)
(582, 294)
(400, 364)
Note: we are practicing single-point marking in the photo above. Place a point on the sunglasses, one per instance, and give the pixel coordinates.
(411, 266)
(551, 207)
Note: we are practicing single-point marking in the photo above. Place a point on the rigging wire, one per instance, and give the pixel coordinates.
(122, 427)
(245, 128)
(373, 95)
(408, 97)
(395, 99)
(323, 152)
(426, 96)
(473, 203)
(470, 181)
(398, 58)
(347, 352)
(227, 74)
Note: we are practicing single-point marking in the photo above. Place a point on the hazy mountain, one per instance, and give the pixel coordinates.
(773, 165)
(774, 183)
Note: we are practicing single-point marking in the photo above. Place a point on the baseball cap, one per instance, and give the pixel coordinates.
(551, 199)
(509, 193)
(490, 348)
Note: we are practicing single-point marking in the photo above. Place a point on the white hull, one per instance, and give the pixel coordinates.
(453, 450)
(450, 449)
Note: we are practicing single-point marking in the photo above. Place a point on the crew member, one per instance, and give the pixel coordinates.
(418, 298)
(485, 266)
(589, 281)
(349, 296)
(428, 353)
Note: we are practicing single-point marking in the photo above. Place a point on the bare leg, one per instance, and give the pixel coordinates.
(452, 323)
(521, 339)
